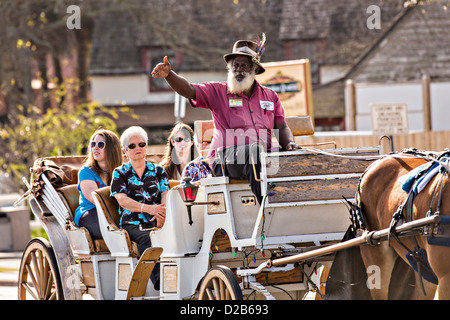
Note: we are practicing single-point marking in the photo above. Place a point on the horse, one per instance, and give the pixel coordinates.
(379, 196)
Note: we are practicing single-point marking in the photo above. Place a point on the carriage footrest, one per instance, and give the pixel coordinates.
(142, 272)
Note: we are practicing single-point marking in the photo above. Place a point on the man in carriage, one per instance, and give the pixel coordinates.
(245, 114)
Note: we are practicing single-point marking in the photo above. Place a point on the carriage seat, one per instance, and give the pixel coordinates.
(117, 240)
(70, 197)
(173, 183)
(300, 125)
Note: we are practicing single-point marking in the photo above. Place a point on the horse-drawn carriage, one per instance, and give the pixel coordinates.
(222, 245)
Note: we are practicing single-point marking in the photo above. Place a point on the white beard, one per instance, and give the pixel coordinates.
(238, 87)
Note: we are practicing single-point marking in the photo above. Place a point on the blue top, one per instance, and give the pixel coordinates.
(146, 189)
(85, 205)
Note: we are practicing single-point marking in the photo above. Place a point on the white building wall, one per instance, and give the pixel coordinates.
(134, 89)
(440, 106)
(409, 93)
(331, 73)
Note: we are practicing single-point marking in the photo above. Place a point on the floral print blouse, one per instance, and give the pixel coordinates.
(146, 189)
(196, 169)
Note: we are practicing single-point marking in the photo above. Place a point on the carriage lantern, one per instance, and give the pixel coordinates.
(188, 193)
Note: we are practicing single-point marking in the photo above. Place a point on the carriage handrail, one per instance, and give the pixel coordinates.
(318, 144)
(367, 238)
(365, 158)
(428, 156)
(25, 196)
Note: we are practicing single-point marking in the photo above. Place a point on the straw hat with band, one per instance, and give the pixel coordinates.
(251, 49)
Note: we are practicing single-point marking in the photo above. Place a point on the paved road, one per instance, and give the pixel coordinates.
(8, 293)
(9, 272)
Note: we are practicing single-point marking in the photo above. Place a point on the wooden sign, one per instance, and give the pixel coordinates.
(389, 119)
(291, 80)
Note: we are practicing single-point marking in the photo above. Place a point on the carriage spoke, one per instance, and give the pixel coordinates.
(49, 285)
(36, 273)
(222, 290)
(210, 294)
(32, 277)
(46, 277)
(41, 274)
(29, 290)
(53, 296)
(215, 282)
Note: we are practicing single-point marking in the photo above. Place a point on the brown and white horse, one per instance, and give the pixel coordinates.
(380, 195)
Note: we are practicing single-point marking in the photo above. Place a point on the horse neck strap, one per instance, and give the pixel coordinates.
(440, 187)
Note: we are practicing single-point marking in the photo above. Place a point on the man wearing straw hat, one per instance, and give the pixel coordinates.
(244, 113)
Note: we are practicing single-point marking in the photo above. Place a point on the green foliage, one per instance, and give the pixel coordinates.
(54, 133)
(38, 233)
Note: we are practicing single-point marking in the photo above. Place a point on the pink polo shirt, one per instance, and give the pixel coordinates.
(239, 120)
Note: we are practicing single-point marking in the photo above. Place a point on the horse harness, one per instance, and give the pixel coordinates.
(405, 210)
(438, 234)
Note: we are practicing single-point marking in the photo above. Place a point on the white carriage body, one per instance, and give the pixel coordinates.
(284, 224)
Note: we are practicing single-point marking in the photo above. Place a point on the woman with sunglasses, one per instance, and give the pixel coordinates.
(140, 187)
(104, 155)
(179, 150)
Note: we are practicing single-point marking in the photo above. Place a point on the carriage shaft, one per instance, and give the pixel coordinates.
(367, 237)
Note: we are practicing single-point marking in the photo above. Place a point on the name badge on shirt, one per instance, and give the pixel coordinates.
(235, 103)
(267, 105)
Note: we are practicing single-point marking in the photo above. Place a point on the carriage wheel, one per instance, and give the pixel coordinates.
(220, 283)
(38, 275)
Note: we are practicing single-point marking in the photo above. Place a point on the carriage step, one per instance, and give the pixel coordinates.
(142, 272)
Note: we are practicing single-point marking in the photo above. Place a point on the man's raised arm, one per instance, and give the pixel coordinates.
(176, 82)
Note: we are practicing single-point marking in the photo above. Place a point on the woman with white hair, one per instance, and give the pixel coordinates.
(140, 188)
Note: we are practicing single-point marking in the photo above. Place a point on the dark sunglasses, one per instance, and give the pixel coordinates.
(179, 139)
(140, 144)
(100, 144)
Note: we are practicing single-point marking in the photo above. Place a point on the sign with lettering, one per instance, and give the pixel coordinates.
(291, 80)
(389, 119)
